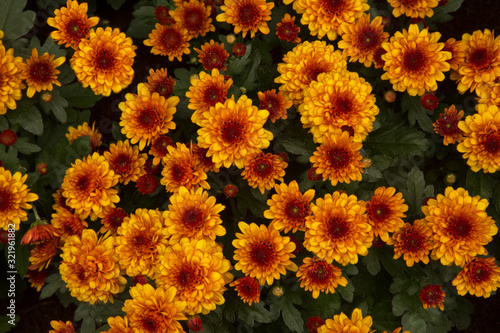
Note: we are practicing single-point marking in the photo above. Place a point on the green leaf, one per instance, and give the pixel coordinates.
(22, 257)
(50, 46)
(28, 116)
(15, 22)
(480, 183)
(116, 4)
(372, 262)
(413, 322)
(8, 156)
(347, 292)
(292, 317)
(53, 283)
(79, 97)
(299, 147)
(416, 191)
(417, 113)
(254, 313)
(441, 13)
(25, 147)
(400, 304)
(143, 23)
(56, 105)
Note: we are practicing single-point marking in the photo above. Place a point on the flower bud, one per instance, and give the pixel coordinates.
(47, 97)
(429, 101)
(42, 168)
(239, 50)
(194, 324)
(278, 291)
(8, 137)
(367, 162)
(451, 178)
(230, 39)
(390, 96)
(230, 190)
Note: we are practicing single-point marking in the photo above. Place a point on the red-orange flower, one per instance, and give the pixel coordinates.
(432, 296)
(212, 55)
(248, 289)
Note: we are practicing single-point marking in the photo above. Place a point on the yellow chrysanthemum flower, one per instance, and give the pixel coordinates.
(194, 16)
(489, 94)
(481, 143)
(447, 125)
(415, 61)
(338, 101)
(11, 83)
(104, 61)
(413, 242)
(14, 199)
(88, 186)
(247, 15)
(170, 41)
(119, 325)
(317, 276)
(261, 252)
(457, 49)
(263, 170)
(199, 272)
(67, 224)
(288, 208)
(62, 327)
(154, 310)
(126, 161)
(479, 277)
(72, 24)
(341, 323)
(460, 225)
(413, 8)
(147, 115)
(85, 130)
(90, 268)
(338, 229)
(140, 238)
(233, 130)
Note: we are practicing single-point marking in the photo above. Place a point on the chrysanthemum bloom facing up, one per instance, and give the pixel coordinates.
(159, 81)
(85, 130)
(104, 61)
(180, 169)
(482, 61)
(324, 17)
(39, 232)
(261, 252)
(88, 186)
(481, 145)
(139, 241)
(14, 198)
(338, 159)
(119, 325)
(479, 277)
(317, 276)
(415, 61)
(460, 226)
(233, 130)
(447, 125)
(170, 41)
(11, 83)
(159, 148)
(193, 214)
(212, 55)
(489, 94)
(361, 39)
(432, 296)
(338, 229)
(457, 49)
(194, 16)
(287, 30)
(386, 210)
(199, 272)
(41, 255)
(72, 24)
(288, 208)
(247, 15)
(206, 91)
(303, 64)
(90, 268)
(335, 100)
(37, 278)
(67, 224)
(126, 161)
(147, 115)
(40, 72)
(248, 289)
(61, 326)
(413, 242)
(413, 8)
(341, 323)
(111, 219)
(275, 103)
(263, 170)
(154, 310)
(313, 323)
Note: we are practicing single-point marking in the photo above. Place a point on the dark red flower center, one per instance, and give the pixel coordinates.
(149, 324)
(160, 145)
(148, 118)
(262, 253)
(248, 14)
(40, 72)
(248, 287)
(378, 211)
(213, 95)
(77, 29)
(334, 7)
(460, 227)
(263, 167)
(147, 184)
(164, 87)
(192, 218)
(232, 131)
(368, 39)
(5, 200)
(447, 125)
(171, 39)
(342, 107)
(413, 241)
(271, 104)
(104, 60)
(122, 163)
(193, 19)
(142, 243)
(178, 173)
(337, 228)
(339, 158)
(187, 278)
(431, 295)
(115, 218)
(492, 143)
(313, 70)
(296, 210)
(201, 155)
(288, 31)
(414, 61)
(214, 57)
(83, 183)
(480, 58)
(480, 273)
(320, 273)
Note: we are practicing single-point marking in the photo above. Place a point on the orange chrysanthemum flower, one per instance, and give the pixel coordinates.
(85, 130)
(170, 41)
(88, 186)
(432, 296)
(482, 61)
(104, 61)
(199, 272)
(457, 50)
(481, 144)
(90, 268)
(413, 8)
(119, 325)
(479, 277)
(212, 56)
(263, 170)
(447, 125)
(11, 83)
(140, 238)
(338, 229)
(160, 82)
(195, 215)
(337, 100)
(180, 169)
(41, 255)
(39, 232)
(40, 73)
(159, 148)
(288, 208)
(261, 252)
(361, 39)
(194, 16)
(147, 115)
(247, 15)
(303, 64)
(111, 219)
(489, 94)
(460, 226)
(415, 61)
(385, 211)
(72, 24)
(413, 242)
(248, 289)
(338, 159)
(206, 91)
(341, 323)
(37, 278)
(317, 276)
(126, 161)
(67, 224)
(275, 103)
(14, 199)
(287, 30)
(61, 326)
(233, 130)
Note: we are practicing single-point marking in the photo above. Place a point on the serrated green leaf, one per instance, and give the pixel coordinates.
(25, 147)
(416, 191)
(28, 116)
(298, 147)
(79, 97)
(442, 13)
(15, 22)
(143, 23)
(400, 304)
(52, 284)
(480, 183)
(372, 262)
(254, 313)
(292, 317)
(8, 156)
(417, 113)
(413, 322)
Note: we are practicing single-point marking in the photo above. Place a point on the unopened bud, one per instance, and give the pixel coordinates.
(451, 178)
(367, 162)
(230, 190)
(47, 97)
(390, 96)
(42, 168)
(239, 50)
(230, 39)
(278, 291)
